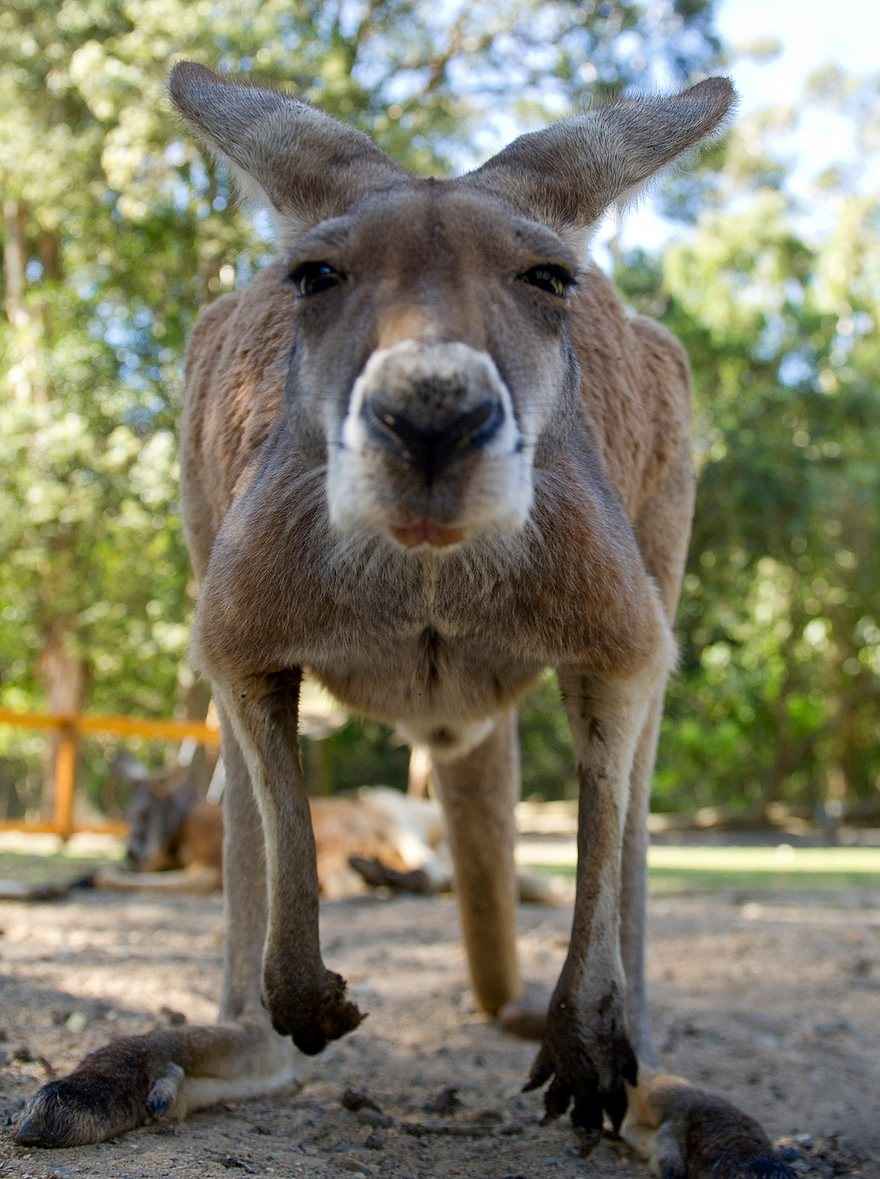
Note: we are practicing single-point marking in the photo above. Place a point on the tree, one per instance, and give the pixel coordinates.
(777, 698)
(116, 228)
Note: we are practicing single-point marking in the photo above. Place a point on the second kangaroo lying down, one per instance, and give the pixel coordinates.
(377, 837)
(427, 454)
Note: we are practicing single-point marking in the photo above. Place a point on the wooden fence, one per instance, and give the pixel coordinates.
(70, 729)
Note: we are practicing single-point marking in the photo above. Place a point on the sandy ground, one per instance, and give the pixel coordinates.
(773, 1000)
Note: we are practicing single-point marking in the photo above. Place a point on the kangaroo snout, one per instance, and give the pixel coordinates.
(430, 450)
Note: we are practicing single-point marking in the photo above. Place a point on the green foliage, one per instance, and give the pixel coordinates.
(778, 692)
(116, 228)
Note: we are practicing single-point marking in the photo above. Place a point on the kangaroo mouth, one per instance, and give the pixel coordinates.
(416, 533)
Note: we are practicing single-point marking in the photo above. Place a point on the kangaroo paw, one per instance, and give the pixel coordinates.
(311, 1014)
(586, 1060)
(164, 1090)
(526, 1016)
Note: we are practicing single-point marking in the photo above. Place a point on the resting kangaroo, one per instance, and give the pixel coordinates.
(378, 838)
(426, 454)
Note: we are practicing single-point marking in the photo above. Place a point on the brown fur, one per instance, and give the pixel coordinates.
(688, 1133)
(379, 838)
(424, 526)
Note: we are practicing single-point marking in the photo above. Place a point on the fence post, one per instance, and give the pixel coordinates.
(65, 779)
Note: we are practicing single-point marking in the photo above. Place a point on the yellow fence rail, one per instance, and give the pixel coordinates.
(70, 729)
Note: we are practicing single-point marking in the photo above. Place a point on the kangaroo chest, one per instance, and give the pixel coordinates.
(422, 641)
(425, 678)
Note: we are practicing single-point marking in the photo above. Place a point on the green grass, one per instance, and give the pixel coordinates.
(49, 868)
(704, 868)
(672, 868)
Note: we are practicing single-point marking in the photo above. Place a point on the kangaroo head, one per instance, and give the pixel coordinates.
(156, 814)
(432, 368)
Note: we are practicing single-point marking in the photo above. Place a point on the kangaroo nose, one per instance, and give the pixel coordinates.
(431, 448)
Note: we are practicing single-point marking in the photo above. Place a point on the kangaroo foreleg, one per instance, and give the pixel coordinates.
(586, 1055)
(305, 1000)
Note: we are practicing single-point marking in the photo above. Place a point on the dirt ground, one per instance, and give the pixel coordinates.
(773, 999)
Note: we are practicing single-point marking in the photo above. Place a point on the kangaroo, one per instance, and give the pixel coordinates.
(378, 838)
(175, 842)
(426, 454)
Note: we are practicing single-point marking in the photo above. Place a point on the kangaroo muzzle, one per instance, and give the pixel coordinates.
(430, 452)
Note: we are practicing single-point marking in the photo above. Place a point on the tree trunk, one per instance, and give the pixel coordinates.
(14, 260)
(29, 384)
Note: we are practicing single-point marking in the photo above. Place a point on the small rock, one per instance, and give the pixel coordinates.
(445, 1103)
(233, 1163)
(767, 1042)
(833, 1027)
(486, 1117)
(356, 1099)
(164, 1130)
(375, 1141)
(351, 1163)
(23, 1054)
(77, 1022)
(60, 1173)
(370, 1117)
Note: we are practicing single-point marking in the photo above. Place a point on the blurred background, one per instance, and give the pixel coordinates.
(763, 257)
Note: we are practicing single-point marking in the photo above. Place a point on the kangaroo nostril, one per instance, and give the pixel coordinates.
(432, 447)
(476, 427)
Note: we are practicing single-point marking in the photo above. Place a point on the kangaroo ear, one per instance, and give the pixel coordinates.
(567, 175)
(300, 163)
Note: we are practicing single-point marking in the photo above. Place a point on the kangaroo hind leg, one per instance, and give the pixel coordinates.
(479, 791)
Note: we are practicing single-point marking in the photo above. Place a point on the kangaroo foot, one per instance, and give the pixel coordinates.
(375, 874)
(687, 1133)
(111, 1091)
(526, 1016)
(587, 1058)
(133, 1080)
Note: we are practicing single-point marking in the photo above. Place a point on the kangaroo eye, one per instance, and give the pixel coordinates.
(556, 280)
(313, 277)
